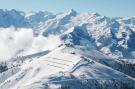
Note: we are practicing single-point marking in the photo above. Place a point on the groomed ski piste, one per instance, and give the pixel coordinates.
(58, 66)
(66, 51)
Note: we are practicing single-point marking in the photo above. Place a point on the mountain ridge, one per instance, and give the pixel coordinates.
(66, 51)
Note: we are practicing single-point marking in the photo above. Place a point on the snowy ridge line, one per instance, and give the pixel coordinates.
(117, 61)
(112, 68)
(23, 58)
(83, 79)
(36, 54)
(32, 55)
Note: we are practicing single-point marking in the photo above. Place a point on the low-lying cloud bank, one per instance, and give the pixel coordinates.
(22, 41)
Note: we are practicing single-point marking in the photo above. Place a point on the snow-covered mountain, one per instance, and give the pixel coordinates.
(112, 36)
(70, 50)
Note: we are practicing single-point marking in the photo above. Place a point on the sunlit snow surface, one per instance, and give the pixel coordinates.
(43, 50)
(62, 61)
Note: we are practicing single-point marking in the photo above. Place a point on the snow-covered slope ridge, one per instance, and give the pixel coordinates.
(112, 36)
(67, 51)
(65, 60)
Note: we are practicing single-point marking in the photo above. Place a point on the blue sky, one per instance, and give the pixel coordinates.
(104, 7)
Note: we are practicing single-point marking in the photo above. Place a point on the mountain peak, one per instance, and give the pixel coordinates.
(72, 12)
(95, 14)
(66, 50)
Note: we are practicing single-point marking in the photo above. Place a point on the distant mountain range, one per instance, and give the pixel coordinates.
(112, 36)
(94, 51)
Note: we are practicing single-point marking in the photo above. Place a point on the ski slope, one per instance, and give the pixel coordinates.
(76, 50)
(62, 61)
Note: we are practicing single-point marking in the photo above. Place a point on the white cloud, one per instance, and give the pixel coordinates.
(53, 42)
(13, 40)
(42, 43)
